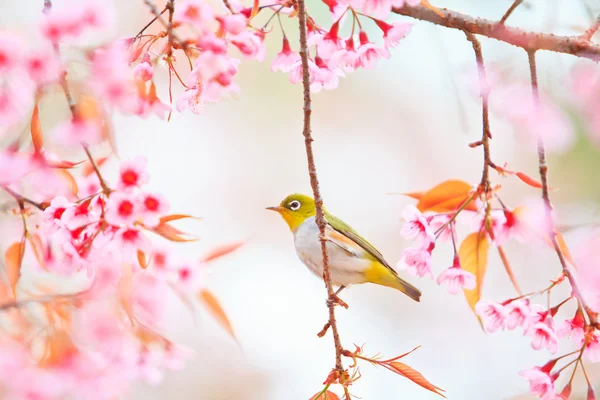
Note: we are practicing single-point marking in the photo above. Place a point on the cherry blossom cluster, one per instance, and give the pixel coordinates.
(333, 55)
(104, 335)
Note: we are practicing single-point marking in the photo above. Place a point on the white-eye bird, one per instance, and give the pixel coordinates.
(352, 259)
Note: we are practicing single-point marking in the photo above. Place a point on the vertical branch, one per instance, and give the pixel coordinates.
(587, 35)
(314, 182)
(512, 7)
(485, 185)
(171, 7)
(543, 168)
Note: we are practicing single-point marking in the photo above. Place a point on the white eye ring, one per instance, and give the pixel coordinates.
(295, 205)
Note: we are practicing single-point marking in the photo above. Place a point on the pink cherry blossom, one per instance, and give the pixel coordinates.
(285, 59)
(573, 327)
(336, 8)
(346, 58)
(540, 383)
(196, 12)
(188, 278)
(330, 42)
(210, 42)
(53, 214)
(148, 296)
(592, 347)
(42, 65)
(517, 313)
(325, 78)
(73, 18)
(143, 71)
(76, 132)
(191, 99)
(88, 186)
(416, 261)
(416, 226)
(16, 100)
(250, 44)
(544, 335)
(437, 222)
(11, 48)
(130, 240)
(234, 24)
(14, 166)
(295, 75)
(393, 33)
(121, 209)
(132, 173)
(112, 79)
(368, 53)
(493, 315)
(152, 207)
(457, 279)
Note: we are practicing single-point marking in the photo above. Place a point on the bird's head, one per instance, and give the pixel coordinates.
(295, 209)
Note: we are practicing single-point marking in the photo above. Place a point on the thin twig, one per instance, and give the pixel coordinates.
(228, 5)
(512, 7)
(173, 37)
(543, 168)
(587, 35)
(314, 182)
(24, 199)
(153, 20)
(171, 7)
(103, 184)
(47, 7)
(485, 185)
(527, 40)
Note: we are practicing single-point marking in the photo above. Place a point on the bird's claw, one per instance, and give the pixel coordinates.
(336, 301)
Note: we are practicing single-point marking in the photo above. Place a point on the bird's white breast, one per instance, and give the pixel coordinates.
(345, 269)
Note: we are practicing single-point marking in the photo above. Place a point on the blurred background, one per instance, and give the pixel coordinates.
(401, 127)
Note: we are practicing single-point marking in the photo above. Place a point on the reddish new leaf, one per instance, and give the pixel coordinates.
(69, 180)
(414, 195)
(141, 256)
(13, 257)
(63, 164)
(564, 249)
(415, 376)
(88, 168)
(222, 250)
(473, 255)
(213, 305)
(254, 9)
(38, 248)
(326, 395)
(36, 130)
(59, 349)
(447, 196)
(529, 180)
(175, 217)
(170, 233)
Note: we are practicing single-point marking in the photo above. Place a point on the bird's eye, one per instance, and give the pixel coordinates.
(294, 205)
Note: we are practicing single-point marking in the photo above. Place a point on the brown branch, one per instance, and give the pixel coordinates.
(228, 5)
(171, 7)
(314, 182)
(23, 199)
(173, 38)
(530, 41)
(587, 35)
(153, 20)
(103, 184)
(485, 185)
(543, 168)
(512, 7)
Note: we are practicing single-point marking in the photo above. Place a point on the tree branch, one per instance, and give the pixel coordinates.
(587, 35)
(530, 41)
(543, 168)
(314, 182)
(512, 8)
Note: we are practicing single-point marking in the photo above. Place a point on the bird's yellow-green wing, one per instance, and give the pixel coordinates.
(381, 272)
(350, 233)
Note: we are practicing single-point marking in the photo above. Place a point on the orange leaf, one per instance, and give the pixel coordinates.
(221, 251)
(216, 310)
(37, 137)
(529, 180)
(565, 250)
(414, 195)
(327, 395)
(64, 164)
(141, 256)
(59, 349)
(175, 217)
(13, 259)
(69, 180)
(88, 169)
(254, 9)
(415, 376)
(38, 248)
(171, 233)
(447, 196)
(89, 108)
(473, 255)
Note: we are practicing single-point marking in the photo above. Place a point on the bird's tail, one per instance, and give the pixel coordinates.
(382, 275)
